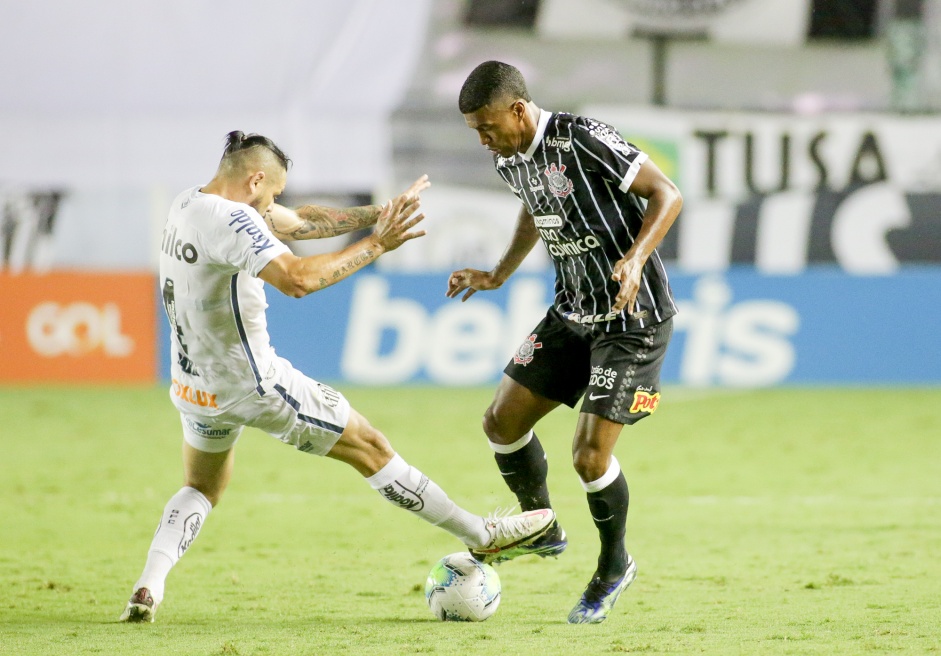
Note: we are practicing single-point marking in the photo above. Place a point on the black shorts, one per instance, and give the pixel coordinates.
(561, 360)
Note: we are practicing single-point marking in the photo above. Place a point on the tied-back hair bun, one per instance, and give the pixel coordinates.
(237, 141)
(233, 140)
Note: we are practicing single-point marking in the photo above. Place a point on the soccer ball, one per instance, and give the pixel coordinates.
(460, 589)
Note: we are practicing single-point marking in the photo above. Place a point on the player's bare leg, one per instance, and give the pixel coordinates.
(497, 537)
(606, 487)
(508, 424)
(206, 477)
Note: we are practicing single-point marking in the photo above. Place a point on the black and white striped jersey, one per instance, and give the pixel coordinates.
(575, 179)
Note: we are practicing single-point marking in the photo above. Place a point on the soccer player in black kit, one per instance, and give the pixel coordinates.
(601, 207)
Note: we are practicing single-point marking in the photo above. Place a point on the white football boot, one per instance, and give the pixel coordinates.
(510, 535)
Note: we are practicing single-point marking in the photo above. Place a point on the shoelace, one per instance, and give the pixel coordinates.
(501, 526)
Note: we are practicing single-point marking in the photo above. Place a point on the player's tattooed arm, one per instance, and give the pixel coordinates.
(316, 222)
(358, 260)
(299, 276)
(322, 222)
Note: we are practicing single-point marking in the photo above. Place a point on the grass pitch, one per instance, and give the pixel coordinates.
(763, 522)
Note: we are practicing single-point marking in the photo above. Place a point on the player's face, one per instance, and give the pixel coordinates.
(499, 126)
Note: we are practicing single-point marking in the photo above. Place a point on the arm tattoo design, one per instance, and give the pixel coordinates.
(350, 266)
(320, 222)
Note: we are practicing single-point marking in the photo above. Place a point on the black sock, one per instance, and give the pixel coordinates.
(524, 472)
(608, 508)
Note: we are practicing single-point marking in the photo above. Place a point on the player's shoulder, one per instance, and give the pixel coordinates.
(215, 210)
(587, 129)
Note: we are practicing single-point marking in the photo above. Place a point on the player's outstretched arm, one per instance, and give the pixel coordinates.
(318, 222)
(664, 203)
(299, 276)
(524, 238)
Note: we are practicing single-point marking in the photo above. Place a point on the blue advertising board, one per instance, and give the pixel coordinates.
(736, 328)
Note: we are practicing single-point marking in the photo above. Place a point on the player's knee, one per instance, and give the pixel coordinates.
(363, 447)
(376, 445)
(491, 424)
(590, 464)
(502, 426)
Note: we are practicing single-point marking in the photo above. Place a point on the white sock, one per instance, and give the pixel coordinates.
(182, 518)
(406, 487)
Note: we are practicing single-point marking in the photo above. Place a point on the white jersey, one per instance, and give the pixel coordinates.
(211, 253)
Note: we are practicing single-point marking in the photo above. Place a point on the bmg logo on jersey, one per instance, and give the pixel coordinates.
(559, 143)
(76, 329)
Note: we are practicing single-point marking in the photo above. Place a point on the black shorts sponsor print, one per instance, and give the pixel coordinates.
(617, 373)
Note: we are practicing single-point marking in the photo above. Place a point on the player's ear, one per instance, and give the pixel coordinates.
(256, 179)
(519, 109)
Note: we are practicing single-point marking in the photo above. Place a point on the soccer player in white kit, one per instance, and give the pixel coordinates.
(221, 243)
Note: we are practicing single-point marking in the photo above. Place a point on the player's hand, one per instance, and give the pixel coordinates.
(473, 280)
(417, 187)
(395, 222)
(627, 272)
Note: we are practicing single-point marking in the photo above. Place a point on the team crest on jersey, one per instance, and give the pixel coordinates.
(559, 185)
(524, 354)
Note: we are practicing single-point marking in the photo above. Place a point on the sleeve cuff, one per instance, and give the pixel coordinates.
(628, 178)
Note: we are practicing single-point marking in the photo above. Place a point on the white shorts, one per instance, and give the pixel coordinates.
(295, 409)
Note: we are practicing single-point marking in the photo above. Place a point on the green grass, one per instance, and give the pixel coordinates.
(763, 522)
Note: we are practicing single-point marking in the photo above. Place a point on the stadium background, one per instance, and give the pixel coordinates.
(805, 136)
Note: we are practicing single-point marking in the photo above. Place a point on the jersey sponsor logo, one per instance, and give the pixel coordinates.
(560, 249)
(535, 184)
(590, 318)
(644, 401)
(245, 222)
(527, 350)
(559, 184)
(550, 221)
(560, 143)
(207, 431)
(183, 251)
(192, 395)
(603, 378)
(609, 137)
